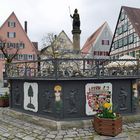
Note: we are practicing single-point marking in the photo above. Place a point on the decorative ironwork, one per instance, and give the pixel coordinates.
(17, 96)
(47, 96)
(74, 68)
(123, 98)
(72, 102)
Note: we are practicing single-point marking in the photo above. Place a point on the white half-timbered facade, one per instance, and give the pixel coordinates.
(126, 39)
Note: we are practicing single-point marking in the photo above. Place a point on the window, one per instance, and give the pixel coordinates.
(30, 57)
(132, 54)
(11, 34)
(113, 57)
(136, 39)
(130, 38)
(138, 54)
(25, 56)
(122, 16)
(120, 30)
(95, 52)
(116, 44)
(117, 56)
(120, 43)
(125, 41)
(21, 45)
(107, 53)
(1, 56)
(20, 57)
(100, 53)
(1, 44)
(125, 27)
(11, 24)
(105, 42)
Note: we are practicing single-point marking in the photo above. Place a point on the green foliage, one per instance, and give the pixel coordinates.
(5, 96)
(106, 111)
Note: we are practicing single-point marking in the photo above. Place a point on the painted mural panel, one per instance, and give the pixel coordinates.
(96, 95)
(58, 99)
(31, 96)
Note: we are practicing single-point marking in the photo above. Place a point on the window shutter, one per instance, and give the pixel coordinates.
(8, 34)
(14, 34)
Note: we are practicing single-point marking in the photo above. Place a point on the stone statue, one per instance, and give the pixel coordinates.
(76, 20)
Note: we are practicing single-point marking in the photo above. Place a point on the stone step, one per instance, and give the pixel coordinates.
(47, 123)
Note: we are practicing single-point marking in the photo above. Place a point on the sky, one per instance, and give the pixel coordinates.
(53, 16)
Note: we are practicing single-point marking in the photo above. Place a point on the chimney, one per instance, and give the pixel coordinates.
(25, 26)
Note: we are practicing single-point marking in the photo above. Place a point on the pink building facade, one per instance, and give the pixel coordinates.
(15, 37)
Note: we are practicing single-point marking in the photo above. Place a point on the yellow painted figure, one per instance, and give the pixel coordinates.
(58, 100)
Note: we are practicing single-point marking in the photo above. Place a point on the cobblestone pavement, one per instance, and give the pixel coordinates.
(14, 129)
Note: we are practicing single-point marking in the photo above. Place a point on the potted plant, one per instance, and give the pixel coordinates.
(4, 100)
(107, 122)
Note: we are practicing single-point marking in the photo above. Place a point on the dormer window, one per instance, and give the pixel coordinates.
(11, 24)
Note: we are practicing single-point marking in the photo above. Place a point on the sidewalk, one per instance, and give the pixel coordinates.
(15, 129)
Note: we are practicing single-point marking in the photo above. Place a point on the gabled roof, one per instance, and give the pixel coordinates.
(13, 14)
(59, 36)
(134, 16)
(92, 39)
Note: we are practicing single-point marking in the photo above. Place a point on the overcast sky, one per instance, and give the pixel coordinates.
(52, 16)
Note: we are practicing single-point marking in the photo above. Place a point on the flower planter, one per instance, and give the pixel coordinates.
(107, 126)
(4, 102)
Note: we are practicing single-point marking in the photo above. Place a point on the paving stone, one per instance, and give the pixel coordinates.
(14, 129)
(28, 138)
(20, 135)
(6, 135)
(41, 137)
(137, 124)
(80, 135)
(61, 132)
(2, 138)
(68, 139)
(54, 132)
(51, 136)
(48, 139)
(37, 131)
(70, 136)
(58, 137)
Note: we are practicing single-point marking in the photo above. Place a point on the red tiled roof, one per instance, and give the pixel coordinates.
(134, 16)
(91, 40)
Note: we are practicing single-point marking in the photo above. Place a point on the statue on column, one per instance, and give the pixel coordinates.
(76, 20)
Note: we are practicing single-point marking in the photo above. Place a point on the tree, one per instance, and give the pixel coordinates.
(58, 47)
(9, 52)
(55, 47)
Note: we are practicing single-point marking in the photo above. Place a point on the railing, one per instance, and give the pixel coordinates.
(73, 68)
